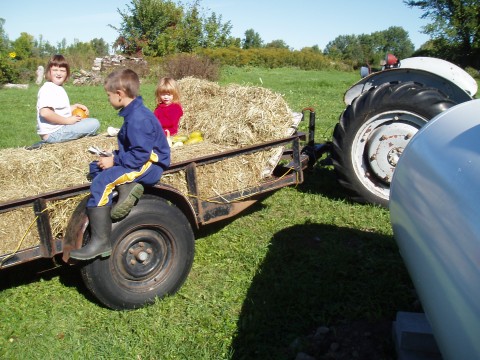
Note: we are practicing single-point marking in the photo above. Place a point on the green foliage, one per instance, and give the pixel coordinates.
(30, 53)
(23, 46)
(26, 69)
(456, 26)
(279, 44)
(43, 49)
(191, 32)
(99, 46)
(306, 59)
(8, 72)
(161, 27)
(473, 73)
(4, 42)
(216, 34)
(252, 40)
(369, 49)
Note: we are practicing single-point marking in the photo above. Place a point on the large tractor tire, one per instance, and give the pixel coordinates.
(373, 131)
(153, 251)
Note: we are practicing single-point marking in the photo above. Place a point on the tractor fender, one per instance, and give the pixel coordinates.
(435, 212)
(452, 80)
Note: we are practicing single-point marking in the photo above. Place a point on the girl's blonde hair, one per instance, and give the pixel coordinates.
(167, 85)
(57, 60)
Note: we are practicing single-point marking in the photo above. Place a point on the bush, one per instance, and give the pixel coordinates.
(26, 68)
(305, 59)
(8, 73)
(473, 72)
(184, 65)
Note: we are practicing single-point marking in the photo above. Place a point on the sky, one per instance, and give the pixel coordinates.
(299, 23)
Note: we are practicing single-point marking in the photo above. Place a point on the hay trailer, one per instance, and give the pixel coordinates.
(153, 247)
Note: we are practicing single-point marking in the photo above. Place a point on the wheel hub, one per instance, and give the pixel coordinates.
(139, 252)
(394, 155)
(142, 255)
(385, 146)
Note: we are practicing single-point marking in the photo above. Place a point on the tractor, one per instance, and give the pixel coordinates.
(384, 110)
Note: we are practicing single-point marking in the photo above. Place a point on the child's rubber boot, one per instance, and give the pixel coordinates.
(100, 232)
(128, 195)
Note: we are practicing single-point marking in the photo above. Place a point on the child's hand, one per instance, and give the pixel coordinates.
(81, 106)
(80, 110)
(105, 162)
(72, 119)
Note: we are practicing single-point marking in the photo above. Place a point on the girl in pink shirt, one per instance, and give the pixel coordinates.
(168, 110)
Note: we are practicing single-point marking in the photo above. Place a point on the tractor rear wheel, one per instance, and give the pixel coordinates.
(373, 131)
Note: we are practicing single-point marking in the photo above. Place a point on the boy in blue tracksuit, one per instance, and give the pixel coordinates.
(142, 156)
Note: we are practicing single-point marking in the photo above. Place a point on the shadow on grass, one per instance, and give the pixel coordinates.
(41, 269)
(322, 180)
(212, 228)
(70, 276)
(320, 275)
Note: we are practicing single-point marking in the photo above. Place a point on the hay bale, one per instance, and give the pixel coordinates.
(25, 173)
(229, 117)
(18, 235)
(234, 115)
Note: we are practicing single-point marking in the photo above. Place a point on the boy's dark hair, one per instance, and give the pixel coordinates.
(123, 79)
(57, 60)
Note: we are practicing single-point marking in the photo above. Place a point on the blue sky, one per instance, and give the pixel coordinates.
(299, 23)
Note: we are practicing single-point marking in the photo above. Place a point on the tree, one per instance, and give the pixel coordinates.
(394, 40)
(62, 46)
(278, 44)
(345, 47)
(4, 42)
(147, 26)
(7, 72)
(43, 48)
(160, 27)
(216, 34)
(99, 46)
(23, 46)
(80, 49)
(252, 40)
(370, 48)
(456, 24)
(192, 29)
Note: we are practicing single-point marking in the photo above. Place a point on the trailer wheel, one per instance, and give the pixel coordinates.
(373, 131)
(153, 251)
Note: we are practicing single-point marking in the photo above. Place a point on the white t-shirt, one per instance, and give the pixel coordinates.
(55, 97)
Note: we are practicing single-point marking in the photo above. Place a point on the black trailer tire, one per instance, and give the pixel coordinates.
(374, 130)
(153, 251)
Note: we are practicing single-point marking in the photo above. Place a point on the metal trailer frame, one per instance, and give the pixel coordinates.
(199, 211)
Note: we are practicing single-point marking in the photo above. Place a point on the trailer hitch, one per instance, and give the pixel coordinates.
(312, 150)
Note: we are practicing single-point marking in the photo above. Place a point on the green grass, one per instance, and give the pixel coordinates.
(302, 258)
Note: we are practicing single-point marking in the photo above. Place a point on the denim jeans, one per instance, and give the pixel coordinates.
(86, 127)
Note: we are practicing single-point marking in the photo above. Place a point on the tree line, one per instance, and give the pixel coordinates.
(159, 28)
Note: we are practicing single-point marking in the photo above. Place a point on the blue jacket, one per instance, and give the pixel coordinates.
(141, 138)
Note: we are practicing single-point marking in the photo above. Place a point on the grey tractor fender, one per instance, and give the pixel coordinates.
(427, 78)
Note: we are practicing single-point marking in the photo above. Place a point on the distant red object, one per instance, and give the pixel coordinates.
(391, 60)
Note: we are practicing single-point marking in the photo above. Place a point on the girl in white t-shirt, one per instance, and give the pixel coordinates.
(55, 121)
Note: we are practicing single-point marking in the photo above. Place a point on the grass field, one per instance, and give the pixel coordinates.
(261, 283)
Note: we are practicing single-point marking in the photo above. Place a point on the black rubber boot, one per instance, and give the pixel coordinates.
(128, 195)
(100, 231)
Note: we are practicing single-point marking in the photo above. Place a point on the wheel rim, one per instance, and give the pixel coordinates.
(379, 144)
(142, 258)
